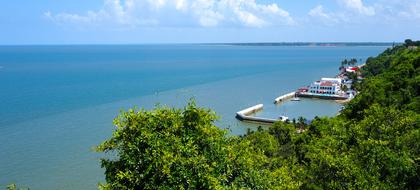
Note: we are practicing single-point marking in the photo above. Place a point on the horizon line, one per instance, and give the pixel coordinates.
(268, 43)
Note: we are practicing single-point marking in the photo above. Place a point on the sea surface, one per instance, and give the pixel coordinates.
(57, 102)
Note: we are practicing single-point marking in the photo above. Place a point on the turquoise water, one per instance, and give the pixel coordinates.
(57, 102)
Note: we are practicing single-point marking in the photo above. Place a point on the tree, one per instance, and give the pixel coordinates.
(408, 42)
(282, 132)
(301, 124)
(14, 187)
(167, 148)
(344, 62)
(182, 149)
(352, 76)
(345, 88)
(11, 187)
(353, 61)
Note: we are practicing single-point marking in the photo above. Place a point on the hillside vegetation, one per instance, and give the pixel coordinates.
(373, 144)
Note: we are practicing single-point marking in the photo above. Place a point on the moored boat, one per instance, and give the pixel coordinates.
(283, 118)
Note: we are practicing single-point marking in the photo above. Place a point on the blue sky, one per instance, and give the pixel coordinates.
(196, 21)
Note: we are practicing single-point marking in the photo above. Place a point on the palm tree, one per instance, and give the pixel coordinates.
(344, 62)
(301, 124)
(353, 61)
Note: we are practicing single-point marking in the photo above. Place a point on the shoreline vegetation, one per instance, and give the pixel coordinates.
(372, 144)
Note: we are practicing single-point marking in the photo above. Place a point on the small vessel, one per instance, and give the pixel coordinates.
(295, 99)
(283, 118)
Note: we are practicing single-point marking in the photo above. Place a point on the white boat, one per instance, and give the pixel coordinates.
(295, 99)
(283, 118)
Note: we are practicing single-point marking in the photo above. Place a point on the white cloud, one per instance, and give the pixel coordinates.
(359, 7)
(357, 12)
(350, 11)
(326, 18)
(166, 13)
(250, 19)
(88, 18)
(408, 9)
(415, 9)
(181, 5)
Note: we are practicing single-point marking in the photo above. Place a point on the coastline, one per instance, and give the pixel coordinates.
(327, 89)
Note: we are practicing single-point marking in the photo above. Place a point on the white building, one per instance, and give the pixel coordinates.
(333, 80)
(326, 86)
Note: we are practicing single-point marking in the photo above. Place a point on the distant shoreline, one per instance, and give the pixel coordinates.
(316, 44)
(287, 44)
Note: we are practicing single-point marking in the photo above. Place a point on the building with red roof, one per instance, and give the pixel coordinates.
(352, 69)
(329, 86)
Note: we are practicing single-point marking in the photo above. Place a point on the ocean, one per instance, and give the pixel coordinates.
(57, 102)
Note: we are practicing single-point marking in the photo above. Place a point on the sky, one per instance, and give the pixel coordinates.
(207, 21)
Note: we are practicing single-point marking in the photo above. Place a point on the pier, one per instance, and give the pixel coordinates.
(322, 96)
(284, 97)
(244, 115)
(251, 110)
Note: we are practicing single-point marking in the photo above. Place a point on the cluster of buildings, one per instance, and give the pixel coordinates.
(329, 88)
(338, 88)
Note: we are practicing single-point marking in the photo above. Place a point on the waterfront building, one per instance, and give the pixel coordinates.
(328, 86)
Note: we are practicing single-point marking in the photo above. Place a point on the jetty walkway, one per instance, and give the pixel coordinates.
(244, 115)
(284, 97)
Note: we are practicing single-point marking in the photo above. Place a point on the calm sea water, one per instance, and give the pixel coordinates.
(57, 102)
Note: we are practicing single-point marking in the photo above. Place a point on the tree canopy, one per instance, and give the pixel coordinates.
(169, 148)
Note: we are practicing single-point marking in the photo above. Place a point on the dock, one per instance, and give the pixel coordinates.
(284, 97)
(244, 115)
(251, 110)
(322, 96)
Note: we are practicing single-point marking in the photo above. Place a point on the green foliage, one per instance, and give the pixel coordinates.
(182, 149)
(394, 83)
(373, 144)
(11, 187)
(14, 187)
(349, 62)
(409, 42)
(372, 153)
(345, 88)
(167, 148)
